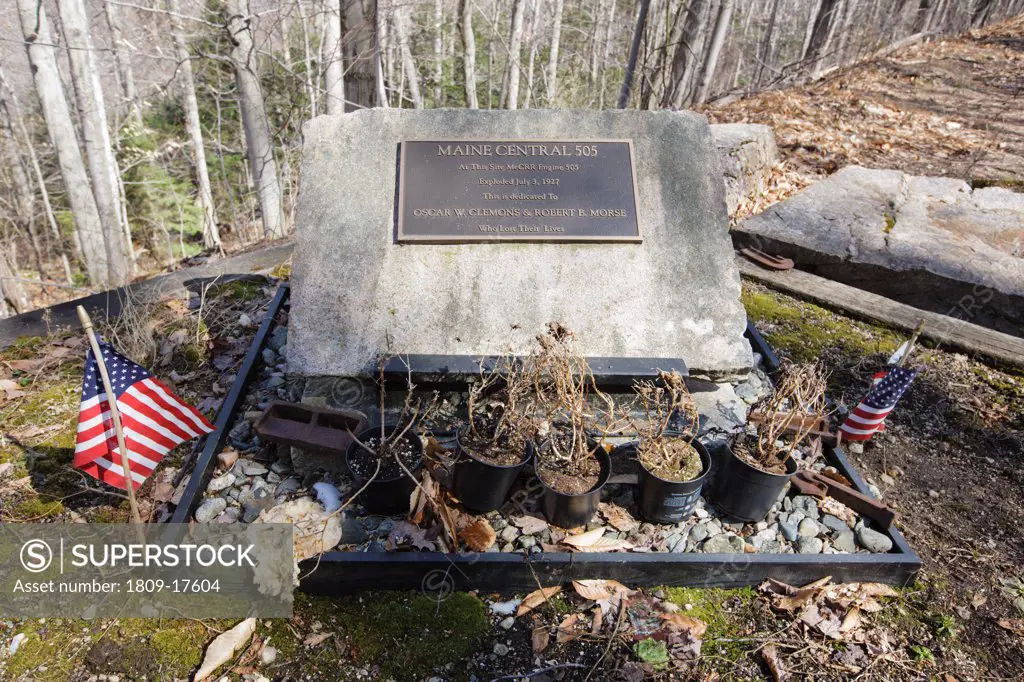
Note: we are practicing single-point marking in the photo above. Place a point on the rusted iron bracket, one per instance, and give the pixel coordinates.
(814, 484)
(818, 426)
(320, 429)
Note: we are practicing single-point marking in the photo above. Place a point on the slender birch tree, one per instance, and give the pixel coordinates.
(515, 49)
(187, 84)
(123, 59)
(717, 41)
(99, 152)
(556, 37)
(412, 76)
(259, 142)
(469, 52)
(50, 91)
(331, 55)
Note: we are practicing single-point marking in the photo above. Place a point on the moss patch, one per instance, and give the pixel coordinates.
(802, 331)
(728, 614)
(407, 636)
(51, 645)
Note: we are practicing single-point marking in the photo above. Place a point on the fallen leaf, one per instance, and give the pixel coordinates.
(597, 589)
(693, 626)
(771, 658)
(530, 525)
(315, 640)
(536, 598)
(224, 647)
(595, 626)
(540, 638)
(851, 621)
(11, 388)
(1014, 625)
(406, 533)
(585, 539)
(606, 545)
(478, 535)
(617, 517)
(978, 600)
(24, 365)
(567, 629)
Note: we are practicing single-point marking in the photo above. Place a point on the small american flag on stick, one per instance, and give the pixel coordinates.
(154, 420)
(888, 387)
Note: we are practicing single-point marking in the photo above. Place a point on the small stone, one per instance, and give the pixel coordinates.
(507, 623)
(251, 468)
(269, 357)
(275, 381)
(210, 508)
(376, 546)
(352, 531)
(699, 532)
(250, 513)
(527, 541)
(676, 542)
(499, 524)
(385, 527)
(770, 547)
(279, 467)
(808, 529)
(229, 515)
(788, 530)
(934, 494)
(723, 544)
(875, 492)
(701, 513)
(278, 338)
(288, 485)
(810, 546)
(244, 320)
(509, 533)
(227, 458)
(501, 649)
(746, 393)
(873, 540)
(806, 504)
(221, 483)
(844, 541)
(268, 655)
(887, 479)
(506, 608)
(508, 548)
(273, 478)
(855, 448)
(834, 523)
(241, 431)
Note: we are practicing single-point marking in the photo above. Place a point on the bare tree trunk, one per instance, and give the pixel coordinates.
(821, 30)
(10, 103)
(99, 153)
(469, 52)
(123, 59)
(402, 28)
(686, 55)
(360, 55)
(24, 198)
(11, 288)
(379, 36)
(331, 56)
(634, 51)
(515, 50)
(764, 53)
(606, 53)
(438, 54)
(721, 30)
(38, 45)
(259, 143)
(211, 233)
(556, 37)
(531, 42)
(312, 85)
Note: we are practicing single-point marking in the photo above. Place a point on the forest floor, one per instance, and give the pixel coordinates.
(950, 107)
(951, 462)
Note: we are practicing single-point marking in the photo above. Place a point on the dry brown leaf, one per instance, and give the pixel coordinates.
(314, 640)
(617, 517)
(598, 589)
(978, 600)
(585, 539)
(24, 365)
(479, 535)
(530, 525)
(567, 629)
(693, 626)
(536, 598)
(771, 658)
(1014, 625)
(606, 545)
(852, 621)
(11, 388)
(540, 638)
(595, 627)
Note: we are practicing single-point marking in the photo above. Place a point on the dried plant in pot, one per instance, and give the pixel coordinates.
(492, 448)
(386, 457)
(756, 468)
(571, 466)
(673, 463)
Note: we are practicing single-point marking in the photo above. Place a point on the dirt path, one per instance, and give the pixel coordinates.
(953, 107)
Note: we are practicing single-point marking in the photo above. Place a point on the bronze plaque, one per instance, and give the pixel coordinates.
(454, 191)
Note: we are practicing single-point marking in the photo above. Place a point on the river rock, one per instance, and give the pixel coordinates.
(810, 545)
(210, 508)
(220, 483)
(872, 540)
(723, 544)
(844, 541)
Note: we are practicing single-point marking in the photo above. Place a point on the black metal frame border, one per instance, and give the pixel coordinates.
(202, 470)
(339, 573)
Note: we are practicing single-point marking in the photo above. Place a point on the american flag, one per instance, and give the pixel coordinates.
(886, 390)
(154, 420)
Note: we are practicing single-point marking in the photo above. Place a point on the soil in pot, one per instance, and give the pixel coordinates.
(745, 450)
(362, 463)
(670, 459)
(573, 477)
(502, 452)
(486, 470)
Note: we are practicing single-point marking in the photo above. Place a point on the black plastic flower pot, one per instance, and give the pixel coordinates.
(744, 492)
(663, 501)
(388, 495)
(570, 511)
(481, 485)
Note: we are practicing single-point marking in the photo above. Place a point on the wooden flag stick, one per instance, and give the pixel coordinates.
(910, 344)
(115, 415)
